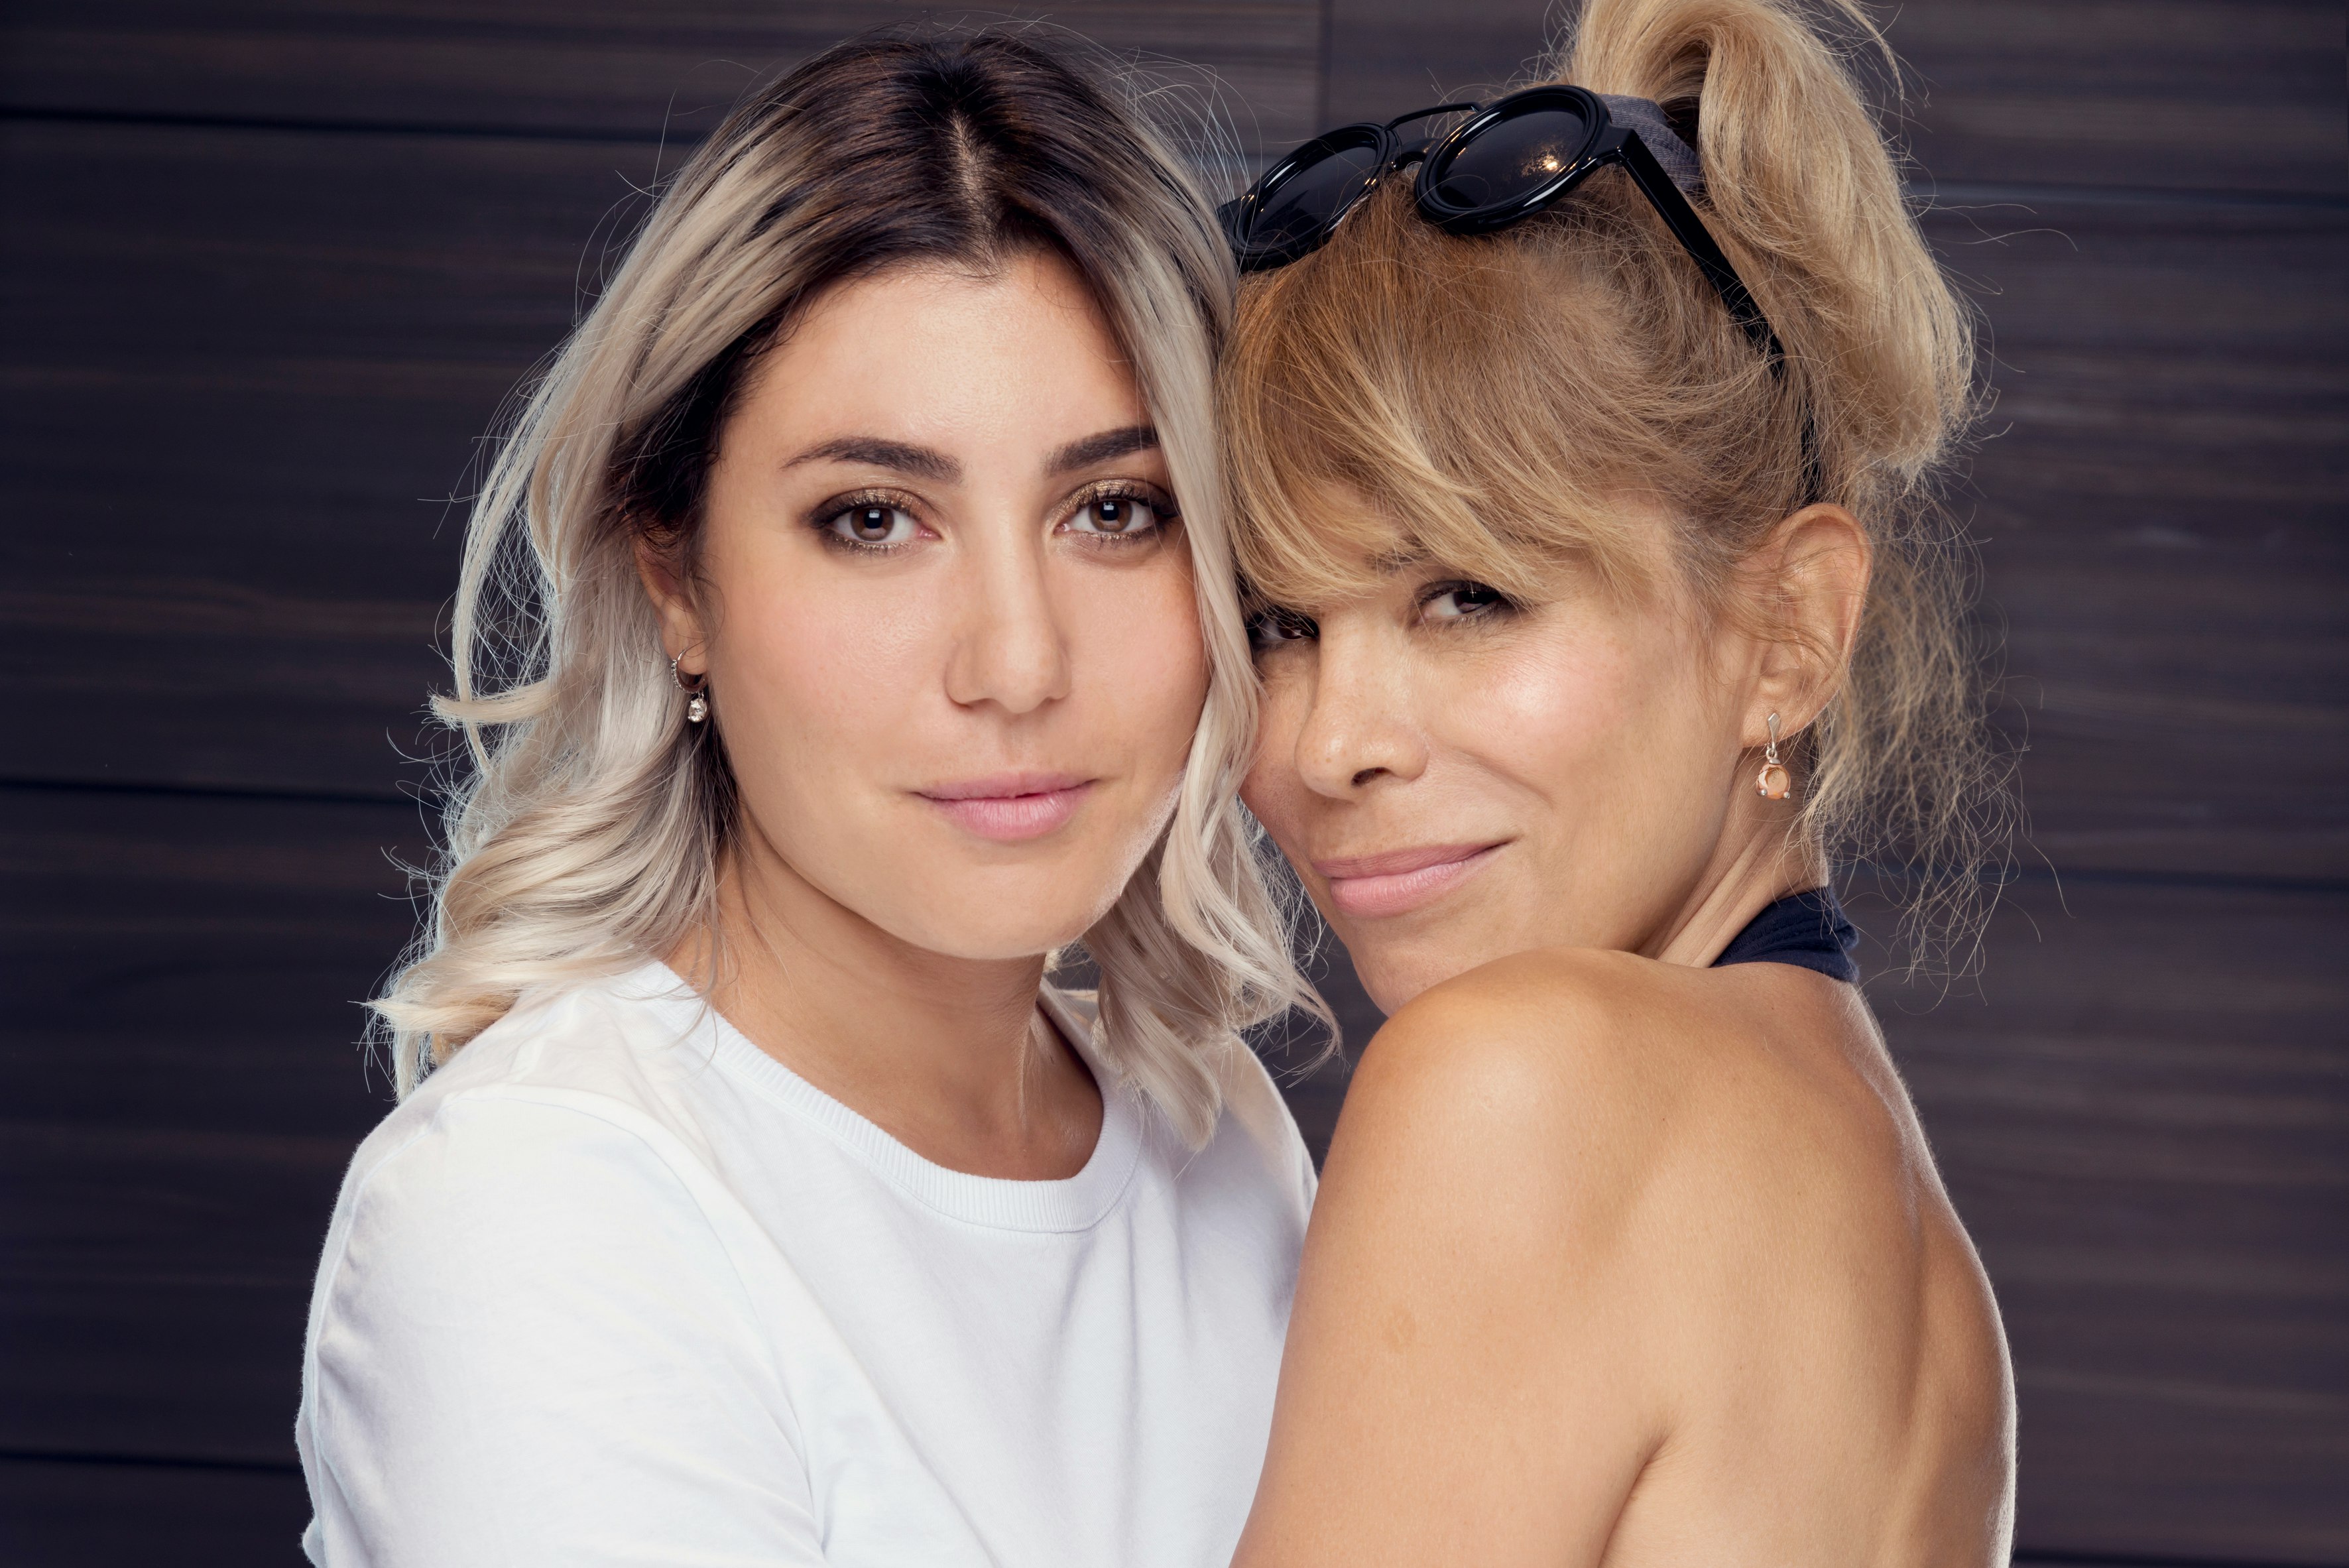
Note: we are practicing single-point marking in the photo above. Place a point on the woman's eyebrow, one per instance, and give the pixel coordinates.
(1099, 448)
(905, 459)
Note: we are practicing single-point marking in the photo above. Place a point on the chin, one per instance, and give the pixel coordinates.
(993, 914)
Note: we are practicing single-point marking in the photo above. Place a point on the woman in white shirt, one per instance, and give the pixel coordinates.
(832, 651)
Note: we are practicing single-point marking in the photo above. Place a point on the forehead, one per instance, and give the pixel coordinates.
(949, 356)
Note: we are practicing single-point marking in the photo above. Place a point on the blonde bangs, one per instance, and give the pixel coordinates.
(1373, 413)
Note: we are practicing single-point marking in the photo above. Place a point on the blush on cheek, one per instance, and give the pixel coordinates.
(1272, 790)
(1141, 653)
(835, 656)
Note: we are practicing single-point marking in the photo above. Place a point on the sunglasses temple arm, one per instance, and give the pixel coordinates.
(1697, 240)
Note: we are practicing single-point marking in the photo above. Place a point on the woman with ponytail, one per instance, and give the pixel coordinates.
(1585, 447)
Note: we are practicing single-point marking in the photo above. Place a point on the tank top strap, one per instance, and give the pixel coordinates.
(1805, 929)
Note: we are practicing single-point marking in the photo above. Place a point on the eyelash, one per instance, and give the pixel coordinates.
(823, 517)
(1162, 508)
(1271, 626)
(1498, 603)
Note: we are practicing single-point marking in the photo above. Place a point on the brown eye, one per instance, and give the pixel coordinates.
(1461, 601)
(874, 525)
(1115, 516)
(1269, 628)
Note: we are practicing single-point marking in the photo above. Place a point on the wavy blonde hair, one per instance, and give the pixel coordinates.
(591, 825)
(1496, 395)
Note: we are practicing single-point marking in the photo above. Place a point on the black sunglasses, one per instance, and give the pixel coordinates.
(1501, 165)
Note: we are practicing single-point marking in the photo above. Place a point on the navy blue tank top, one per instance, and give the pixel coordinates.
(1805, 929)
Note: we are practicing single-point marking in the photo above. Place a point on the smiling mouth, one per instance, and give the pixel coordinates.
(1013, 807)
(1372, 887)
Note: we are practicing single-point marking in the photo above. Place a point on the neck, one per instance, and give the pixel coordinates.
(1758, 861)
(951, 1057)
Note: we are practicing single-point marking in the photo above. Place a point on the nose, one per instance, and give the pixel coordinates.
(1010, 648)
(1359, 724)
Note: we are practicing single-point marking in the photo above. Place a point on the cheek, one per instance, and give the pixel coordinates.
(811, 668)
(1139, 663)
(1271, 789)
(1544, 711)
(1587, 713)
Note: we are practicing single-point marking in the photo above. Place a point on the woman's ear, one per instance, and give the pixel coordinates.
(683, 635)
(1812, 577)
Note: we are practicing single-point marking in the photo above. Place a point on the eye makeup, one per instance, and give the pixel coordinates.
(1145, 512)
(1109, 514)
(867, 523)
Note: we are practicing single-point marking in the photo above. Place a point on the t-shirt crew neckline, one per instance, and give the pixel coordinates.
(1076, 1202)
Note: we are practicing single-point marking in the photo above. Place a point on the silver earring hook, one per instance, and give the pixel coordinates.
(1773, 781)
(698, 708)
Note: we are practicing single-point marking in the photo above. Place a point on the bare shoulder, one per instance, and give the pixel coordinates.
(1692, 1214)
(1664, 1095)
(1552, 1042)
(1559, 1032)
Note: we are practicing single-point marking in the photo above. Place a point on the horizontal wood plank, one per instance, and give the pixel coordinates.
(2135, 93)
(2161, 492)
(183, 1086)
(2234, 100)
(238, 422)
(2156, 94)
(69, 1514)
(178, 963)
(609, 66)
(2141, 1109)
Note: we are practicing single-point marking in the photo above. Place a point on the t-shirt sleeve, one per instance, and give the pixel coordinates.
(535, 1348)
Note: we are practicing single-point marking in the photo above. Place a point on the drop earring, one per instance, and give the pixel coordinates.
(698, 708)
(1773, 782)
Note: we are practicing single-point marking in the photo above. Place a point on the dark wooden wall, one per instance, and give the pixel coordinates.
(268, 268)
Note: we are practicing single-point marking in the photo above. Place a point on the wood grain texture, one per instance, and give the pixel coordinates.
(182, 1087)
(2161, 492)
(2170, 94)
(604, 67)
(84, 1515)
(2157, 95)
(232, 419)
(2142, 1113)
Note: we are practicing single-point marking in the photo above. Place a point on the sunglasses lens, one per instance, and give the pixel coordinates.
(1311, 196)
(1512, 158)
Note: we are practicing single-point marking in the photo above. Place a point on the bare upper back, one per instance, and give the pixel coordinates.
(1834, 1374)
(1627, 1264)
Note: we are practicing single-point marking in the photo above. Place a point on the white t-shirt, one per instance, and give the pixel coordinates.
(614, 1286)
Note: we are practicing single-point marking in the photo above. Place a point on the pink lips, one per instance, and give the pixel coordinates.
(1370, 886)
(1009, 807)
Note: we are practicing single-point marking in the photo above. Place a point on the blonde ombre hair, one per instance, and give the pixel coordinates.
(593, 824)
(1497, 398)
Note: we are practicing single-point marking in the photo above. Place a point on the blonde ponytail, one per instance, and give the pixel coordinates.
(1798, 177)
